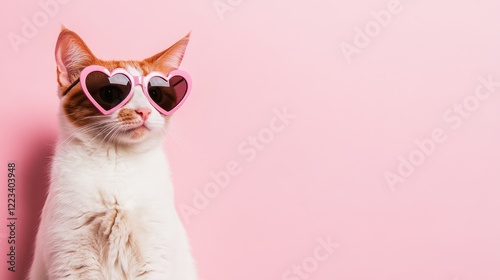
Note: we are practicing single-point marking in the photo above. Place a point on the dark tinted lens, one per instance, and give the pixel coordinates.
(108, 91)
(167, 96)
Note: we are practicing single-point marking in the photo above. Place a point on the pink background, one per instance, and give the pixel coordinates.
(323, 173)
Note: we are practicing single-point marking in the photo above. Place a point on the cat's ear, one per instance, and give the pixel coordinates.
(72, 55)
(170, 58)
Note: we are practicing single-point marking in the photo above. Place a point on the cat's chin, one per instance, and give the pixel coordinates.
(137, 132)
(135, 135)
(139, 136)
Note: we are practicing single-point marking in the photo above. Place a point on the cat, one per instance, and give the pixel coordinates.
(109, 212)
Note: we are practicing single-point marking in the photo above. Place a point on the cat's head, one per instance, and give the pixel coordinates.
(137, 121)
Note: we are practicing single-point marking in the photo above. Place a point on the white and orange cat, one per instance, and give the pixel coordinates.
(110, 212)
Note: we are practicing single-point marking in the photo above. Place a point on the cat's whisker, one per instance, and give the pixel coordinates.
(176, 131)
(98, 133)
(108, 130)
(180, 144)
(113, 134)
(95, 127)
(81, 130)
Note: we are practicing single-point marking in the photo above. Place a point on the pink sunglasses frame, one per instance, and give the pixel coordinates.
(135, 80)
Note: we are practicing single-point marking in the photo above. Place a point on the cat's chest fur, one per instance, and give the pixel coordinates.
(123, 204)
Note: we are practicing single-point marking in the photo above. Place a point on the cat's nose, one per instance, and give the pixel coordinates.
(143, 112)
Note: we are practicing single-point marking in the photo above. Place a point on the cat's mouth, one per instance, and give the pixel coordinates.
(138, 131)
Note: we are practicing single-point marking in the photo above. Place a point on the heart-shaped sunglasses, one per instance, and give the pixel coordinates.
(109, 91)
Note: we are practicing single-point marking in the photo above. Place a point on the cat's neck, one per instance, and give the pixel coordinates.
(121, 168)
(102, 149)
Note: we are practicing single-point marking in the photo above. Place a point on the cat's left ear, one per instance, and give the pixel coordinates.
(72, 55)
(170, 58)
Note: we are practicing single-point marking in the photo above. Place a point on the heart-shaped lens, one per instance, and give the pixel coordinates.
(107, 91)
(167, 94)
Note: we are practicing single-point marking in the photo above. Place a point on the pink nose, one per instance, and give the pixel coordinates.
(143, 112)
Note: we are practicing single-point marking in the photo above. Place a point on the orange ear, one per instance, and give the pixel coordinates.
(72, 55)
(171, 58)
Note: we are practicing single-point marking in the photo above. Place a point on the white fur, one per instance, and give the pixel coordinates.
(125, 181)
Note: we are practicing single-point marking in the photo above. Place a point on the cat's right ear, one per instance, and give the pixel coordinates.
(72, 55)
